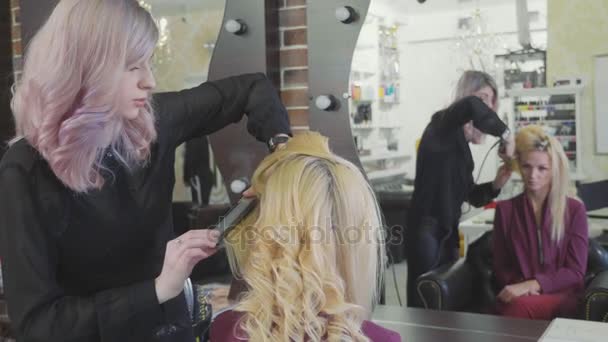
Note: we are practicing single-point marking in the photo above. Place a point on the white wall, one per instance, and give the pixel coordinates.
(431, 63)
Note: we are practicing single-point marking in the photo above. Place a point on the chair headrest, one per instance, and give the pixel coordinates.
(598, 257)
(594, 194)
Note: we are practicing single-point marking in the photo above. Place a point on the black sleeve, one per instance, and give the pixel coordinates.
(482, 194)
(39, 307)
(472, 108)
(434, 191)
(213, 105)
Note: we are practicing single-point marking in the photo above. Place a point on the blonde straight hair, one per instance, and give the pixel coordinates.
(313, 252)
(534, 138)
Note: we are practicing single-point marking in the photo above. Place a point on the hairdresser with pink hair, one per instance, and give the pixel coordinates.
(86, 235)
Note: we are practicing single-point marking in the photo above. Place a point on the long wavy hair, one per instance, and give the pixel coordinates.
(534, 138)
(65, 104)
(313, 252)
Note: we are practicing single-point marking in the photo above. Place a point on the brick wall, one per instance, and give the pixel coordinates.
(294, 61)
(16, 38)
(6, 72)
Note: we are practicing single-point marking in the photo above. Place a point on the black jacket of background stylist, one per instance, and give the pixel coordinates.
(444, 180)
(80, 267)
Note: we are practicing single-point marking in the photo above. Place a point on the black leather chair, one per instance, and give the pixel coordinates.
(469, 284)
(594, 195)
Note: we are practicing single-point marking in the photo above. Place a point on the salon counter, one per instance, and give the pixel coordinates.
(421, 325)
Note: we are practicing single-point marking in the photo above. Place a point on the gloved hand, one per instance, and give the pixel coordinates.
(506, 151)
(472, 108)
(485, 119)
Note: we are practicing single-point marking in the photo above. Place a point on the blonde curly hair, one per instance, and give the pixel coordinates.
(312, 253)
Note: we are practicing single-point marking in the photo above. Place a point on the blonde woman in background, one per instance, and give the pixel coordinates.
(312, 254)
(541, 236)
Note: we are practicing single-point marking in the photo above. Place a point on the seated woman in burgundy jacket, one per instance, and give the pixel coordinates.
(541, 236)
(311, 253)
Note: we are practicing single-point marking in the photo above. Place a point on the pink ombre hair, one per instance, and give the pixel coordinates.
(65, 104)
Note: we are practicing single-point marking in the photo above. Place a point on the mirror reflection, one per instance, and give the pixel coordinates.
(188, 32)
(549, 64)
(408, 59)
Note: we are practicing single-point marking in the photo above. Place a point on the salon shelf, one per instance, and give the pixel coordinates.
(543, 91)
(375, 126)
(365, 47)
(541, 121)
(384, 156)
(560, 115)
(363, 72)
(386, 173)
(556, 106)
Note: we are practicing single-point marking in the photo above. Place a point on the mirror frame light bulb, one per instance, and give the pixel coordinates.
(235, 26)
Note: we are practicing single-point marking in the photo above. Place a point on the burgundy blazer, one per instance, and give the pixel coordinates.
(517, 248)
(225, 325)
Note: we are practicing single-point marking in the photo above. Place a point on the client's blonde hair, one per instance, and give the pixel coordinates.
(534, 138)
(313, 252)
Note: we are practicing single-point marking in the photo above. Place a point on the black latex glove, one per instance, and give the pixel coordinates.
(473, 108)
(485, 119)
